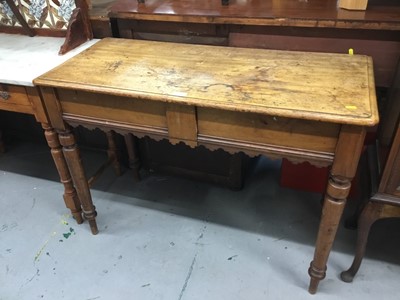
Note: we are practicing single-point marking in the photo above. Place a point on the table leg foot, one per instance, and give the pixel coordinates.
(91, 217)
(316, 275)
(369, 215)
(77, 217)
(93, 227)
(347, 276)
(312, 289)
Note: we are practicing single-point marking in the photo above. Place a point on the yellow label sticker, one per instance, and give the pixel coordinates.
(351, 107)
(351, 51)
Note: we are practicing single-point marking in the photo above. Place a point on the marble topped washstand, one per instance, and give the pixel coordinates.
(22, 59)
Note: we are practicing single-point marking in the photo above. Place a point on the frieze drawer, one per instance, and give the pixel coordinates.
(14, 98)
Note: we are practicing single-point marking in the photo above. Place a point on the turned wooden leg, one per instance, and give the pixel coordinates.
(112, 152)
(133, 153)
(369, 215)
(347, 155)
(70, 197)
(334, 202)
(2, 147)
(72, 156)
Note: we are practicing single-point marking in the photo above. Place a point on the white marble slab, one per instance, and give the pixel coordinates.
(24, 58)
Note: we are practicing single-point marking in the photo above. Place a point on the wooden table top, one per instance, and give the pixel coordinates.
(380, 14)
(316, 86)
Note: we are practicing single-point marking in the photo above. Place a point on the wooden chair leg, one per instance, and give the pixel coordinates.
(133, 153)
(73, 159)
(352, 221)
(70, 197)
(2, 147)
(369, 215)
(112, 152)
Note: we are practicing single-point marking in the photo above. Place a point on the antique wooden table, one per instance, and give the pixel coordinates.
(23, 58)
(302, 106)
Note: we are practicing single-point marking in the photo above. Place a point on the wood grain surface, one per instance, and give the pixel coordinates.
(316, 86)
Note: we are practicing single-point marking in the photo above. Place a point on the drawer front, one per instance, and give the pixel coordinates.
(14, 98)
(268, 130)
(108, 108)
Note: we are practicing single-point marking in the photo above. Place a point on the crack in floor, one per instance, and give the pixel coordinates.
(188, 277)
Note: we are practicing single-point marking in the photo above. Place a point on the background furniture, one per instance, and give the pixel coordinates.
(384, 203)
(67, 19)
(384, 169)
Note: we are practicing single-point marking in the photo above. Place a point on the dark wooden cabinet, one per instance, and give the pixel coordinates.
(384, 170)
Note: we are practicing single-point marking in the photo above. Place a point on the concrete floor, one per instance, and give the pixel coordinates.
(171, 238)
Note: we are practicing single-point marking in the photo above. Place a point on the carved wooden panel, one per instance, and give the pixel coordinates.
(49, 14)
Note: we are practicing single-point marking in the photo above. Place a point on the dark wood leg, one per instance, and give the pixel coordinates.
(133, 153)
(347, 155)
(70, 197)
(368, 216)
(113, 153)
(235, 172)
(73, 159)
(2, 147)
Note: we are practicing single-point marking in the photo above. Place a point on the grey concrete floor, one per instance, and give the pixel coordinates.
(171, 238)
